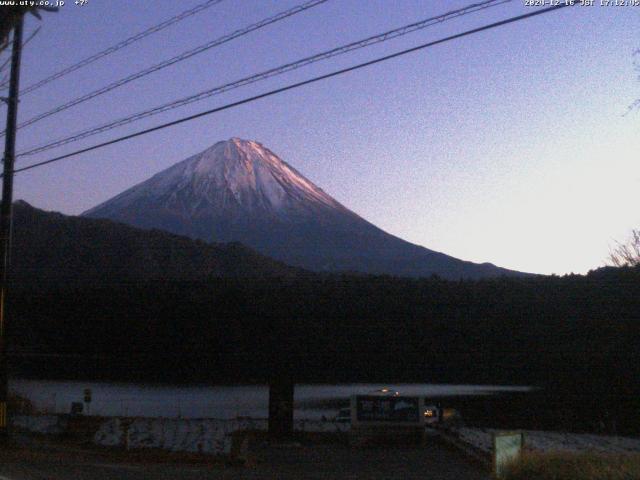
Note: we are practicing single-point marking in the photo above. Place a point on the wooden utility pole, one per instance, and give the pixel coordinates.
(6, 211)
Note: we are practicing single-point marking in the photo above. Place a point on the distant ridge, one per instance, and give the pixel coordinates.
(238, 190)
(49, 246)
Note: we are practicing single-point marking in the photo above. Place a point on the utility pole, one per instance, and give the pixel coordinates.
(5, 214)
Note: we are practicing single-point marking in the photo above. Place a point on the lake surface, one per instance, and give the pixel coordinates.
(123, 399)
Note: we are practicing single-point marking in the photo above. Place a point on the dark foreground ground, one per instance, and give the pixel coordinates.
(293, 461)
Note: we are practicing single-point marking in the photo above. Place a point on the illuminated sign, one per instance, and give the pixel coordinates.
(382, 409)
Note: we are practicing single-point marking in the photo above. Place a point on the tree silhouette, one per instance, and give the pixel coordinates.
(636, 65)
(628, 253)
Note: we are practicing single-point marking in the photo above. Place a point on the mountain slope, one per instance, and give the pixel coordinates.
(238, 190)
(53, 247)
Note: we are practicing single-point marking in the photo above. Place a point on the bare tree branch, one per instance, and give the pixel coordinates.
(636, 65)
(627, 254)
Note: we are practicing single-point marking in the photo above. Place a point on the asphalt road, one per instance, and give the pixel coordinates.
(270, 462)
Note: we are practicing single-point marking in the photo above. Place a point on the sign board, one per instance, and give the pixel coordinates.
(387, 410)
(507, 447)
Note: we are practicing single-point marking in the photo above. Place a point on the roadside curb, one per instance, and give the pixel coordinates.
(468, 449)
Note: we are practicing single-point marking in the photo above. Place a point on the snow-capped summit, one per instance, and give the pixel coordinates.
(250, 174)
(233, 174)
(238, 190)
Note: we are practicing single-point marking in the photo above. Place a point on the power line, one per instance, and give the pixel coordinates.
(267, 74)
(24, 44)
(156, 28)
(4, 84)
(297, 85)
(178, 58)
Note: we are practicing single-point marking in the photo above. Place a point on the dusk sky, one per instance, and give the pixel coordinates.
(510, 146)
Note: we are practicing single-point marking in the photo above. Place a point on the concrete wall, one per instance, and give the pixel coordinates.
(183, 435)
(44, 424)
(211, 436)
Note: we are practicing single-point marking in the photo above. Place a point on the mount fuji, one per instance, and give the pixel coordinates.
(238, 190)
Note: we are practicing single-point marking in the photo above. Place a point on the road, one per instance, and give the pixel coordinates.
(323, 461)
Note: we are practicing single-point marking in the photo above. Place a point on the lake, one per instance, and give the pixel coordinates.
(123, 399)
